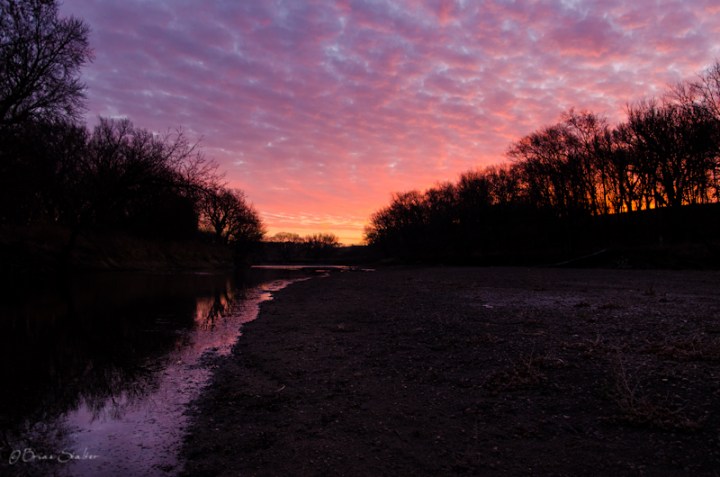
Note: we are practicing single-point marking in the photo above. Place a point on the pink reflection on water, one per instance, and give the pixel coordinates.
(140, 435)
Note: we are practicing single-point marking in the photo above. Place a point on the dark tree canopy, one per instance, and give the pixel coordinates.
(564, 176)
(117, 178)
(40, 59)
(290, 246)
(135, 179)
(321, 245)
(227, 214)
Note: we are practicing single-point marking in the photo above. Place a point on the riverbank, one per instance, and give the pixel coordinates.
(477, 371)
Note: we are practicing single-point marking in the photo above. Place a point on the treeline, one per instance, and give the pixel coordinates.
(114, 178)
(665, 155)
(291, 247)
(117, 177)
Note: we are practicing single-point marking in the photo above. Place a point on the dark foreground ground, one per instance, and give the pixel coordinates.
(487, 371)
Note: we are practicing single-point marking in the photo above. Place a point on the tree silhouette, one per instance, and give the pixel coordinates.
(289, 245)
(40, 60)
(564, 178)
(134, 181)
(228, 215)
(705, 90)
(321, 245)
(286, 237)
(675, 147)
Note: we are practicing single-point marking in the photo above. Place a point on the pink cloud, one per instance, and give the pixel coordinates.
(320, 110)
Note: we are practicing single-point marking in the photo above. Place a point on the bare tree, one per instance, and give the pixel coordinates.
(321, 245)
(400, 225)
(140, 181)
(675, 147)
(286, 237)
(705, 89)
(228, 215)
(288, 244)
(621, 170)
(550, 170)
(40, 60)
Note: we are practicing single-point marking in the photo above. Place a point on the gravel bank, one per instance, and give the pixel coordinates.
(477, 371)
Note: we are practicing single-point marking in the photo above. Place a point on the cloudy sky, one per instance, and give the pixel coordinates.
(320, 109)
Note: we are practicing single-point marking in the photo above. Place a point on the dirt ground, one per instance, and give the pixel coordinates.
(475, 371)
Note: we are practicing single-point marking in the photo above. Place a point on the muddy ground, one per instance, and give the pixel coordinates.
(475, 371)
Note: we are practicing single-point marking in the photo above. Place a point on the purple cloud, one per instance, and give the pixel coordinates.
(321, 109)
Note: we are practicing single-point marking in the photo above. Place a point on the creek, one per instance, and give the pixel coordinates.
(99, 370)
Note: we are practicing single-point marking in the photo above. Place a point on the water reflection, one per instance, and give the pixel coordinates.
(105, 364)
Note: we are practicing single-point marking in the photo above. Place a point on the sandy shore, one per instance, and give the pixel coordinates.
(477, 371)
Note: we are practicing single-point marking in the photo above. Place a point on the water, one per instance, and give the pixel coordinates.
(98, 372)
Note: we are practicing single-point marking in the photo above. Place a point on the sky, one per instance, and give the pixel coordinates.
(319, 110)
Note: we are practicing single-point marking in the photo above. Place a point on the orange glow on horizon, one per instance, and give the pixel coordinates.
(376, 98)
(339, 215)
(346, 236)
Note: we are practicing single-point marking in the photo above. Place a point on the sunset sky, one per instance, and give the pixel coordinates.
(320, 109)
